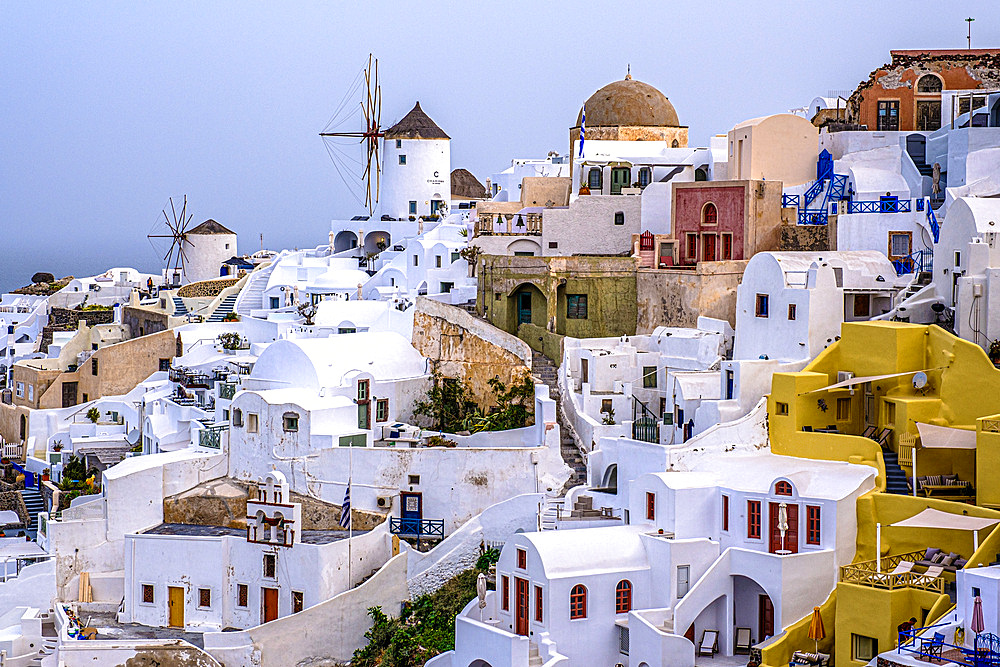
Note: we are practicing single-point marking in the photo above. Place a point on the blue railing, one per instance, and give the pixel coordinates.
(417, 527)
(814, 191)
(932, 221)
(30, 480)
(812, 216)
(919, 261)
(933, 646)
(789, 200)
(881, 206)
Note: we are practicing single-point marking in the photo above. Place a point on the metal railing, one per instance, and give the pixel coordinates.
(931, 646)
(227, 390)
(788, 201)
(918, 261)
(881, 206)
(645, 424)
(418, 528)
(876, 574)
(933, 222)
(211, 437)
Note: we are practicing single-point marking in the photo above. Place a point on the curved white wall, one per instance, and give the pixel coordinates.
(426, 176)
(205, 254)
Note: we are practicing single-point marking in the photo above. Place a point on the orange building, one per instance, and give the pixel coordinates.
(906, 94)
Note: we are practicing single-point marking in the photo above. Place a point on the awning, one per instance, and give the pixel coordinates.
(866, 378)
(946, 437)
(932, 518)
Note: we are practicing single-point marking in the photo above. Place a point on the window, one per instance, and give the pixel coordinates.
(623, 597)
(205, 598)
(644, 177)
(553, 245)
(31, 392)
(843, 409)
(437, 261)
(93, 366)
(237, 417)
(290, 422)
(576, 306)
(413, 480)
(242, 595)
(297, 602)
(19, 390)
(862, 305)
(578, 602)
(725, 513)
(761, 307)
(505, 592)
(252, 422)
(649, 377)
(362, 390)
(607, 405)
(782, 489)
(975, 591)
(709, 214)
(147, 594)
(691, 247)
(382, 410)
(812, 524)
(164, 364)
(781, 408)
(402, 159)
(347, 330)
(522, 559)
(594, 178)
(538, 604)
(413, 208)
(455, 256)
(899, 244)
(929, 83)
(619, 218)
(275, 302)
(650, 506)
(399, 143)
(416, 260)
(270, 566)
(727, 246)
(683, 580)
(863, 649)
(753, 519)
(225, 415)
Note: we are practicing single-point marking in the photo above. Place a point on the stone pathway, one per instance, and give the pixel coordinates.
(544, 370)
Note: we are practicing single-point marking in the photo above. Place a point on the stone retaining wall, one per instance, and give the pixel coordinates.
(206, 288)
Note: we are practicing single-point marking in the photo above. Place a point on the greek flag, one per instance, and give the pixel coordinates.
(345, 509)
(583, 127)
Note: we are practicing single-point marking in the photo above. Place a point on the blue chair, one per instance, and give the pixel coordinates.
(933, 647)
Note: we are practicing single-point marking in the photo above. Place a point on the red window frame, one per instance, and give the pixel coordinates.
(691, 247)
(538, 604)
(812, 524)
(725, 513)
(753, 519)
(709, 214)
(522, 559)
(782, 489)
(505, 592)
(650, 506)
(727, 245)
(578, 602)
(623, 597)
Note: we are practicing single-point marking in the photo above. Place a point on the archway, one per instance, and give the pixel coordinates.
(526, 305)
(345, 240)
(479, 663)
(376, 242)
(752, 608)
(24, 428)
(524, 247)
(610, 480)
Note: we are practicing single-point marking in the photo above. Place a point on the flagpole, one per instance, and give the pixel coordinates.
(350, 519)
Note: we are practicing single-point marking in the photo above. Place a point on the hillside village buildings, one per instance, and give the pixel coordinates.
(697, 398)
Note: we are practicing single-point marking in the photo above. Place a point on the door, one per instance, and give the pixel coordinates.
(870, 414)
(765, 617)
(585, 370)
(621, 177)
(790, 543)
(269, 604)
(916, 147)
(888, 116)
(729, 385)
(928, 115)
(68, 394)
(708, 247)
(524, 308)
(411, 512)
(175, 606)
(521, 606)
(365, 415)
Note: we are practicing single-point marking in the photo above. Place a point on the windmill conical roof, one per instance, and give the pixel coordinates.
(210, 227)
(416, 125)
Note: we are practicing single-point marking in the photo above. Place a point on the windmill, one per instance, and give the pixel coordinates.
(176, 255)
(371, 108)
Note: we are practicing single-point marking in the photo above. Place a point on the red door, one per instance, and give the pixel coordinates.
(521, 606)
(791, 541)
(765, 618)
(270, 604)
(708, 247)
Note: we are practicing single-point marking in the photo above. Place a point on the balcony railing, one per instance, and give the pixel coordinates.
(418, 528)
(991, 425)
(211, 437)
(227, 390)
(877, 574)
(788, 201)
(519, 224)
(190, 379)
(888, 205)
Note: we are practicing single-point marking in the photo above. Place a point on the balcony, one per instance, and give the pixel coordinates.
(211, 436)
(499, 224)
(418, 528)
(877, 574)
(227, 390)
(190, 379)
(884, 205)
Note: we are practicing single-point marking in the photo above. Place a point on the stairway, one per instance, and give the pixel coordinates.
(252, 295)
(534, 659)
(179, 308)
(895, 478)
(35, 503)
(545, 372)
(224, 308)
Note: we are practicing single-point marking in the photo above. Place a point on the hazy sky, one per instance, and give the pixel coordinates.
(109, 108)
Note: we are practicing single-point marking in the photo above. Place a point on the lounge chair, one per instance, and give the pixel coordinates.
(869, 432)
(803, 658)
(932, 573)
(743, 641)
(709, 643)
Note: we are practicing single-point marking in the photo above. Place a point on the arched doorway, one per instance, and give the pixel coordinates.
(526, 305)
(376, 242)
(24, 428)
(479, 663)
(610, 481)
(752, 608)
(345, 240)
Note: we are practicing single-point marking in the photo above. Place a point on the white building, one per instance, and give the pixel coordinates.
(416, 177)
(205, 249)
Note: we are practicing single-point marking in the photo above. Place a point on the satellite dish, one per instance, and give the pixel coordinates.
(919, 380)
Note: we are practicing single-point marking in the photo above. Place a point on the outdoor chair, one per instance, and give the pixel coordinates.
(869, 432)
(932, 647)
(803, 658)
(709, 643)
(932, 573)
(743, 641)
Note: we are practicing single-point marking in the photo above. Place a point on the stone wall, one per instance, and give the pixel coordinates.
(813, 238)
(677, 297)
(462, 346)
(12, 500)
(67, 319)
(144, 321)
(206, 288)
(540, 340)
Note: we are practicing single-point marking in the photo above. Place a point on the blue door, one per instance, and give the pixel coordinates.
(524, 308)
(411, 512)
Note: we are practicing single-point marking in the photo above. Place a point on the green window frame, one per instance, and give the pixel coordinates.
(649, 377)
(382, 410)
(576, 306)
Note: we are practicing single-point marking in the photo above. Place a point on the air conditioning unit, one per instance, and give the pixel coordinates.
(384, 502)
(844, 376)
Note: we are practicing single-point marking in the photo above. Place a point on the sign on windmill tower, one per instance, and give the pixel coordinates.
(271, 518)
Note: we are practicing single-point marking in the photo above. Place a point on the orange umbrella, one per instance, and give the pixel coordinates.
(816, 629)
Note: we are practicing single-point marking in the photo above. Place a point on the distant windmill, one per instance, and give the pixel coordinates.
(176, 255)
(371, 107)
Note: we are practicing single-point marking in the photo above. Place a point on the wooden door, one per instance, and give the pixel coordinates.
(521, 606)
(620, 178)
(68, 394)
(791, 541)
(708, 247)
(765, 617)
(175, 606)
(524, 308)
(584, 370)
(269, 604)
(365, 414)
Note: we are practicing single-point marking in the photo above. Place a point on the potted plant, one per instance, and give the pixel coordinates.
(994, 352)
(93, 414)
(57, 446)
(45, 475)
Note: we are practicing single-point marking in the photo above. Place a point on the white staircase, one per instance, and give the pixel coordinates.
(548, 513)
(534, 659)
(252, 295)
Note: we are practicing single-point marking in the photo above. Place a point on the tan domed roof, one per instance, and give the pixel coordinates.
(629, 103)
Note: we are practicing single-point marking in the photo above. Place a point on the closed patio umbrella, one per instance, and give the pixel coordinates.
(481, 593)
(977, 624)
(816, 629)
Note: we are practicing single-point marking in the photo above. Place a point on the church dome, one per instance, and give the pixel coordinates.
(629, 103)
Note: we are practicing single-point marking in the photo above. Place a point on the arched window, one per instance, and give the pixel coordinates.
(709, 214)
(929, 83)
(594, 179)
(674, 143)
(578, 602)
(24, 428)
(782, 489)
(623, 597)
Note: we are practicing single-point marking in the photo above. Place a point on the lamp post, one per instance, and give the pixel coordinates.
(969, 21)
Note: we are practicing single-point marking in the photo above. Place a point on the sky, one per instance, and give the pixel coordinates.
(108, 109)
